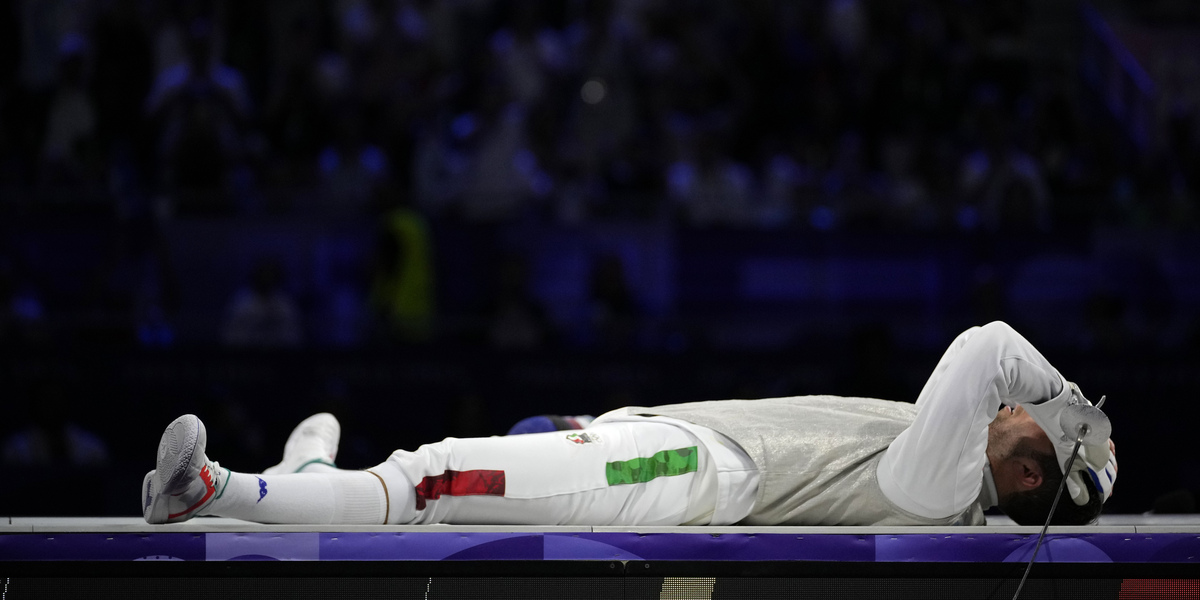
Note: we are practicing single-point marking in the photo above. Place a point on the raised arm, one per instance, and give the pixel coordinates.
(935, 467)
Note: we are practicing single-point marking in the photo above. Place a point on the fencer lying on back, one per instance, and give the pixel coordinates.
(987, 430)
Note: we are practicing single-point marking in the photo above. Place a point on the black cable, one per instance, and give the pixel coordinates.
(1057, 497)
(1083, 430)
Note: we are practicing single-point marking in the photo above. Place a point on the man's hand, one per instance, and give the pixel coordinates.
(1099, 462)
(1048, 416)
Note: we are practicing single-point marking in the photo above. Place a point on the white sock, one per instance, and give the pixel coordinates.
(401, 494)
(381, 495)
(399, 500)
(347, 497)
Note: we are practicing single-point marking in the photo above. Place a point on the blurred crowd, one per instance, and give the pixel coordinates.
(921, 114)
(832, 115)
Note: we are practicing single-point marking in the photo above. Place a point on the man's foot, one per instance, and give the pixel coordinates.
(185, 481)
(314, 440)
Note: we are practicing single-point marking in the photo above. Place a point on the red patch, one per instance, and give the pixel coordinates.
(209, 488)
(460, 483)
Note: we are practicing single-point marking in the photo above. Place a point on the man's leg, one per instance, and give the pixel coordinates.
(312, 447)
(620, 473)
(186, 484)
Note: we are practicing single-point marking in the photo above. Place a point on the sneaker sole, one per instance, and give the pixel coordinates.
(154, 506)
(179, 454)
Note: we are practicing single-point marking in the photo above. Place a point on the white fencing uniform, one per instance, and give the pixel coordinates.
(621, 470)
(816, 460)
(799, 461)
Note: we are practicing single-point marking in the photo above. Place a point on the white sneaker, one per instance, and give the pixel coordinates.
(185, 481)
(314, 440)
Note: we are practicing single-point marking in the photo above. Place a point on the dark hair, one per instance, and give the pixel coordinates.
(1030, 507)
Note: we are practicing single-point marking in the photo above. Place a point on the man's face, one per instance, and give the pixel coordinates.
(1008, 429)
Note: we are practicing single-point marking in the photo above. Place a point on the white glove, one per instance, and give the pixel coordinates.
(1048, 414)
(1100, 465)
(1096, 460)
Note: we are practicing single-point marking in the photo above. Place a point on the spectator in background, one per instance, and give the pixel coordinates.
(787, 182)
(44, 24)
(351, 168)
(156, 294)
(294, 121)
(908, 197)
(121, 76)
(22, 315)
(504, 174)
(528, 56)
(848, 27)
(524, 102)
(574, 100)
(70, 148)
(850, 188)
(1001, 183)
(604, 112)
(200, 108)
(132, 288)
(402, 275)
(10, 45)
(710, 187)
(50, 438)
(615, 316)
(439, 166)
(168, 32)
(516, 320)
(264, 314)
(50, 435)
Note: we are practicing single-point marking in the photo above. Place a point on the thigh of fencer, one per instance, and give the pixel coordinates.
(558, 478)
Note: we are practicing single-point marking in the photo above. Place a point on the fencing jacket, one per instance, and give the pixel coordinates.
(827, 460)
(817, 457)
